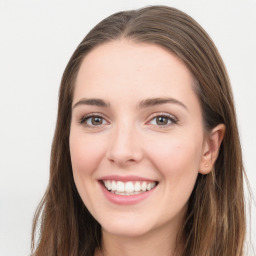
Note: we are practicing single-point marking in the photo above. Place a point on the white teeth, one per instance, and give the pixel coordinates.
(113, 186)
(120, 186)
(128, 188)
(137, 186)
(108, 184)
(144, 186)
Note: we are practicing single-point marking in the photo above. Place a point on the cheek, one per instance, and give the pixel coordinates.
(177, 161)
(86, 153)
(176, 158)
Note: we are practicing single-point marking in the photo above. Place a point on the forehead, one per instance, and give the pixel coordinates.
(134, 70)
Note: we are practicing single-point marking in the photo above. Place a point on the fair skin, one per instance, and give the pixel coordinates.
(146, 127)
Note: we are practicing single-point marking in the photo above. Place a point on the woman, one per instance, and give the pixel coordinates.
(146, 158)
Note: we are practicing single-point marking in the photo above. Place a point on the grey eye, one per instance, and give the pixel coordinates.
(161, 120)
(93, 121)
(96, 120)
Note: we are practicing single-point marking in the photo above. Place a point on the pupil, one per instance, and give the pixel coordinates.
(162, 120)
(97, 121)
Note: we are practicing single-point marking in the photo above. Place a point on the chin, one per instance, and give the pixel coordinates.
(130, 231)
(127, 227)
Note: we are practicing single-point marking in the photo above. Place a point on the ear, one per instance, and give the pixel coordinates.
(211, 148)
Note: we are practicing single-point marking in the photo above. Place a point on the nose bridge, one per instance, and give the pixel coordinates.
(125, 146)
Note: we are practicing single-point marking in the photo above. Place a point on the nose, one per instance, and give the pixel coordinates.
(125, 147)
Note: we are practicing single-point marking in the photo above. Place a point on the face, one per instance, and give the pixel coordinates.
(136, 138)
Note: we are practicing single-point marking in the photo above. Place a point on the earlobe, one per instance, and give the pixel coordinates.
(211, 149)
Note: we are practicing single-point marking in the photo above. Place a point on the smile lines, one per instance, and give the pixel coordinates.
(128, 188)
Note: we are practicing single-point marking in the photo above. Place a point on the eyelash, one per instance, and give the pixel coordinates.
(85, 118)
(173, 120)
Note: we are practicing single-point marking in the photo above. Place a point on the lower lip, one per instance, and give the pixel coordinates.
(126, 200)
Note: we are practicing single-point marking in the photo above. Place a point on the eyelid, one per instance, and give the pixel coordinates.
(83, 119)
(173, 119)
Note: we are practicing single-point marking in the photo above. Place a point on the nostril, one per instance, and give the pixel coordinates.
(123, 158)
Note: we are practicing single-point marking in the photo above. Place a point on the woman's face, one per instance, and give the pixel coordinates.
(137, 137)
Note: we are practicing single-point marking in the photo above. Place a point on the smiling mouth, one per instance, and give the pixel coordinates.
(128, 188)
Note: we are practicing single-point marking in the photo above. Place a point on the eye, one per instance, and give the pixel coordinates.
(163, 120)
(93, 120)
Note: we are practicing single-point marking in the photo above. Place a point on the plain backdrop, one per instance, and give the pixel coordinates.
(37, 39)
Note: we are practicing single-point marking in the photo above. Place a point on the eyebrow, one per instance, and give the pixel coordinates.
(159, 101)
(92, 102)
(143, 104)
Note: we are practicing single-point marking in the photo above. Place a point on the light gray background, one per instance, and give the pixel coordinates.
(37, 39)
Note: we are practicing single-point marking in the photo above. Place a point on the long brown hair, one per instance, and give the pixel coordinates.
(215, 220)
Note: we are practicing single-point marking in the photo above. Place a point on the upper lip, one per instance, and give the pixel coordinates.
(126, 178)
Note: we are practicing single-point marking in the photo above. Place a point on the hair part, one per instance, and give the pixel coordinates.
(215, 219)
